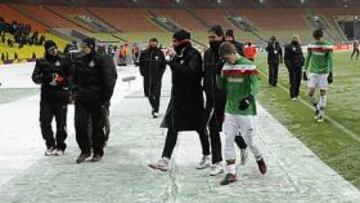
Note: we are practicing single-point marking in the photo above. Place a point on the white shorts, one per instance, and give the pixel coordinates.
(318, 81)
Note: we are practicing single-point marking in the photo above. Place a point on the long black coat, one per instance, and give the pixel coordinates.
(93, 78)
(186, 105)
(44, 73)
(152, 67)
(215, 97)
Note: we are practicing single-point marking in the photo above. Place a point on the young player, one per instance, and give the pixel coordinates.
(319, 63)
(240, 82)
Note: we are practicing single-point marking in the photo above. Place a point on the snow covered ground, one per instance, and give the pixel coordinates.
(295, 173)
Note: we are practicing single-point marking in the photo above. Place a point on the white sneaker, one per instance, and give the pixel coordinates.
(216, 169)
(161, 165)
(204, 163)
(320, 118)
(59, 152)
(50, 151)
(243, 156)
(155, 114)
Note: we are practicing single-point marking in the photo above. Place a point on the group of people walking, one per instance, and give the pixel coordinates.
(228, 78)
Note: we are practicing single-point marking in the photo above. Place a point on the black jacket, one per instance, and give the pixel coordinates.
(93, 78)
(239, 47)
(215, 97)
(186, 104)
(294, 57)
(44, 73)
(152, 67)
(275, 55)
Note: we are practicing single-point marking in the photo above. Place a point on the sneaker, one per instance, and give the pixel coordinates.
(204, 163)
(262, 166)
(229, 178)
(243, 156)
(96, 158)
(294, 98)
(155, 114)
(50, 151)
(161, 165)
(320, 119)
(59, 152)
(216, 169)
(83, 157)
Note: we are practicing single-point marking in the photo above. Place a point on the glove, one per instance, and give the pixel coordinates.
(305, 78)
(330, 78)
(57, 79)
(245, 103)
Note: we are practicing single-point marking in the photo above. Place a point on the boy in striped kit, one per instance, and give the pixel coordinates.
(240, 82)
(319, 63)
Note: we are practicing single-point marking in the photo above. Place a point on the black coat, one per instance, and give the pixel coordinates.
(215, 97)
(275, 55)
(186, 104)
(294, 57)
(44, 72)
(152, 67)
(93, 78)
(239, 47)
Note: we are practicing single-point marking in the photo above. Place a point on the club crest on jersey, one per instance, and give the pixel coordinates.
(92, 64)
(237, 80)
(156, 58)
(294, 48)
(57, 63)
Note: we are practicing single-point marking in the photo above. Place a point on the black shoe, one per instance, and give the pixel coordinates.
(82, 157)
(229, 178)
(96, 158)
(262, 166)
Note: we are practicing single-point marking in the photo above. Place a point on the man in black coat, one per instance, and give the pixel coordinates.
(294, 61)
(274, 58)
(229, 36)
(186, 104)
(93, 80)
(152, 67)
(52, 73)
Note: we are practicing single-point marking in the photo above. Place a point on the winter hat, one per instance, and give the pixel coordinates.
(230, 33)
(217, 29)
(90, 42)
(50, 45)
(181, 35)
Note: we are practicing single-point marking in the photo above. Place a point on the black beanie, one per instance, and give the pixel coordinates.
(181, 35)
(217, 29)
(90, 42)
(50, 45)
(230, 33)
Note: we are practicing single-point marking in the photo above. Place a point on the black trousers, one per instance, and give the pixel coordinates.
(154, 102)
(171, 139)
(49, 110)
(295, 74)
(357, 53)
(105, 128)
(153, 94)
(273, 73)
(97, 114)
(215, 141)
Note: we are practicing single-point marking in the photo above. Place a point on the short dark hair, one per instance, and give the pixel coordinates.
(317, 34)
(227, 48)
(217, 29)
(153, 40)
